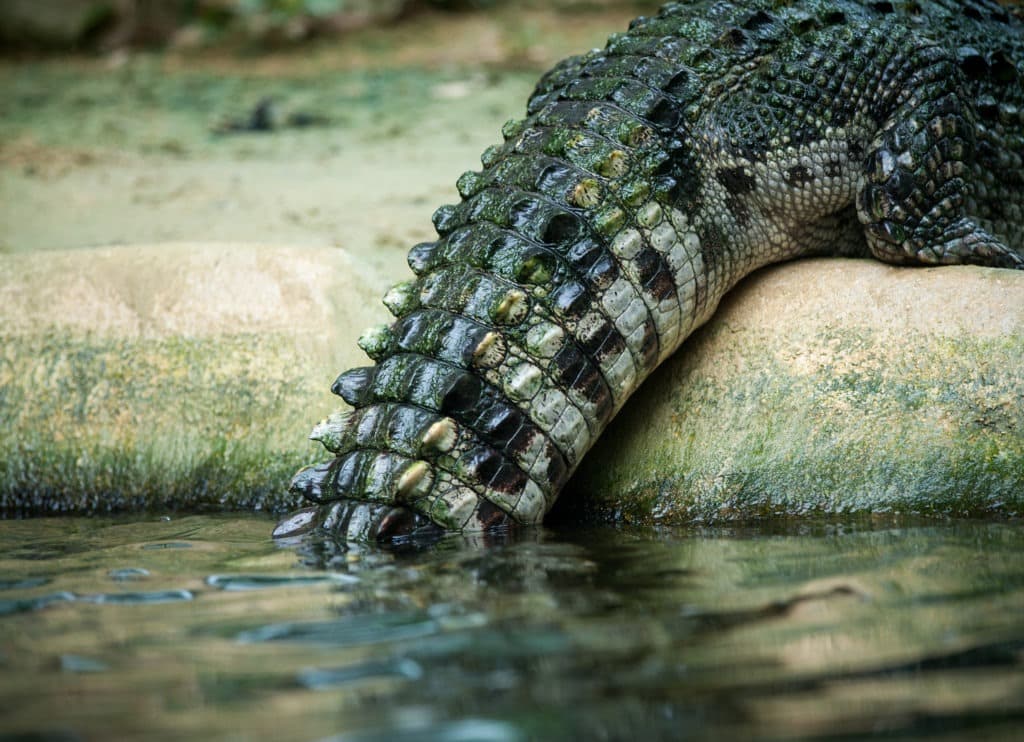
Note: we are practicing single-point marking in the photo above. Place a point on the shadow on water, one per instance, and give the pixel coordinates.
(813, 631)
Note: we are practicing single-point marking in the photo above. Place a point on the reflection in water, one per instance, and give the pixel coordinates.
(814, 631)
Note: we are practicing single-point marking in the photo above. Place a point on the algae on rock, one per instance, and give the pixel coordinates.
(826, 387)
(188, 376)
(170, 376)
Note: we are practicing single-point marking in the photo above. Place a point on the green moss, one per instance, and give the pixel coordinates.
(100, 425)
(935, 427)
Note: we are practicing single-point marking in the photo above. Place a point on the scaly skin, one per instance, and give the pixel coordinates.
(646, 180)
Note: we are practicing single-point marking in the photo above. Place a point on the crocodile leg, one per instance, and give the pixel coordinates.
(918, 173)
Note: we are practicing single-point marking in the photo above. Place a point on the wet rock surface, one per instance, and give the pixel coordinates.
(823, 387)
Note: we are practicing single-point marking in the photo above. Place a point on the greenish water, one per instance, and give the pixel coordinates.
(202, 627)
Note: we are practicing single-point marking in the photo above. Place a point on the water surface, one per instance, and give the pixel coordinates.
(202, 627)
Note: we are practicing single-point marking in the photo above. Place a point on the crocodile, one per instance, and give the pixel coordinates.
(646, 179)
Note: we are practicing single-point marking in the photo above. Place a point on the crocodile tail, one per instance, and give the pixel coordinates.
(558, 283)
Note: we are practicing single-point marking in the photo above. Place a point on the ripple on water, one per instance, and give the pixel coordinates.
(24, 583)
(348, 631)
(77, 663)
(145, 598)
(317, 678)
(167, 545)
(806, 633)
(464, 730)
(26, 605)
(235, 583)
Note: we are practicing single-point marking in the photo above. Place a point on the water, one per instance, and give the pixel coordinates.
(201, 627)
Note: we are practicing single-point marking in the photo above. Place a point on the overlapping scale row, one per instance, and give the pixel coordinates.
(550, 293)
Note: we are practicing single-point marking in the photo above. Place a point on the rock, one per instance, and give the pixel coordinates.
(274, 25)
(107, 24)
(170, 376)
(824, 387)
(188, 376)
(54, 23)
(111, 24)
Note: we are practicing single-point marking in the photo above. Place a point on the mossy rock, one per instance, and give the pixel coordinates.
(825, 387)
(170, 376)
(188, 377)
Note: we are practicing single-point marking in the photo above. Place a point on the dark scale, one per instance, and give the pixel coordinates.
(647, 178)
